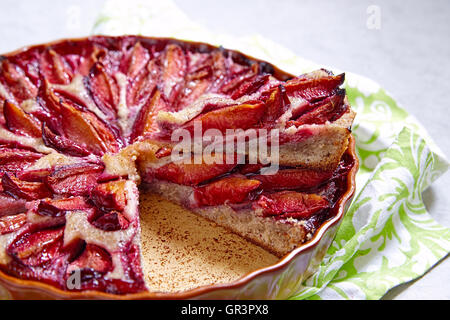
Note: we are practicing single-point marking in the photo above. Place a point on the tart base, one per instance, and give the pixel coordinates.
(182, 251)
(278, 237)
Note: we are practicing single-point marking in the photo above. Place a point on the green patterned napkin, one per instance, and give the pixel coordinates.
(387, 237)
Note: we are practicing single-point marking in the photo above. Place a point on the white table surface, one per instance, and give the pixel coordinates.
(409, 56)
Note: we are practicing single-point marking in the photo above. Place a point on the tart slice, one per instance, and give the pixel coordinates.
(85, 125)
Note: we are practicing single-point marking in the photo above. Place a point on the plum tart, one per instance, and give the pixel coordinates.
(85, 125)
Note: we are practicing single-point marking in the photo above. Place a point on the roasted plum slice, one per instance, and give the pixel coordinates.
(242, 116)
(48, 99)
(238, 79)
(19, 121)
(141, 87)
(188, 172)
(23, 189)
(293, 178)
(109, 221)
(10, 205)
(233, 189)
(110, 195)
(329, 109)
(12, 223)
(29, 63)
(174, 67)
(60, 143)
(251, 86)
(248, 168)
(15, 79)
(58, 207)
(34, 175)
(87, 130)
(37, 248)
(103, 89)
(93, 259)
(145, 122)
(198, 80)
(277, 103)
(76, 179)
(291, 204)
(14, 160)
(55, 68)
(136, 60)
(315, 86)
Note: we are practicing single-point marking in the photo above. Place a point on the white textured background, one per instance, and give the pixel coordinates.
(409, 56)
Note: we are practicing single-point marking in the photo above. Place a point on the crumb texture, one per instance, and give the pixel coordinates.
(181, 250)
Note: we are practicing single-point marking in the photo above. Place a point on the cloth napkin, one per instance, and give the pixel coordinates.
(387, 237)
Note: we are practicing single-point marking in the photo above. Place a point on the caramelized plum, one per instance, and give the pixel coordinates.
(227, 190)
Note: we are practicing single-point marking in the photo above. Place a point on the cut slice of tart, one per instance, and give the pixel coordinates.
(276, 210)
(85, 123)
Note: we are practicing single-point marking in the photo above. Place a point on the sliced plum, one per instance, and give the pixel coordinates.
(14, 160)
(37, 248)
(142, 86)
(103, 89)
(19, 121)
(227, 190)
(58, 207)
(191, 173)
(54, 67)
(173, 71)
(293, 178)
(145, 123)
(242, 116)
(62, 144)
(110, 195)
(137, 60)
(23, 189)
(12, 223)
(21, 87)
(313, 88)
(92, 259)
(291, 204)
(76, 179)
(87, 130)
(110, 221)
(330, 109)
(277, 103)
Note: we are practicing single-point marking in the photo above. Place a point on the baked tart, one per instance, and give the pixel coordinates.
(86, 125)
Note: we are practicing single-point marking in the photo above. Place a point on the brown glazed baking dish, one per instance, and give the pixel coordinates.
(278, 281)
